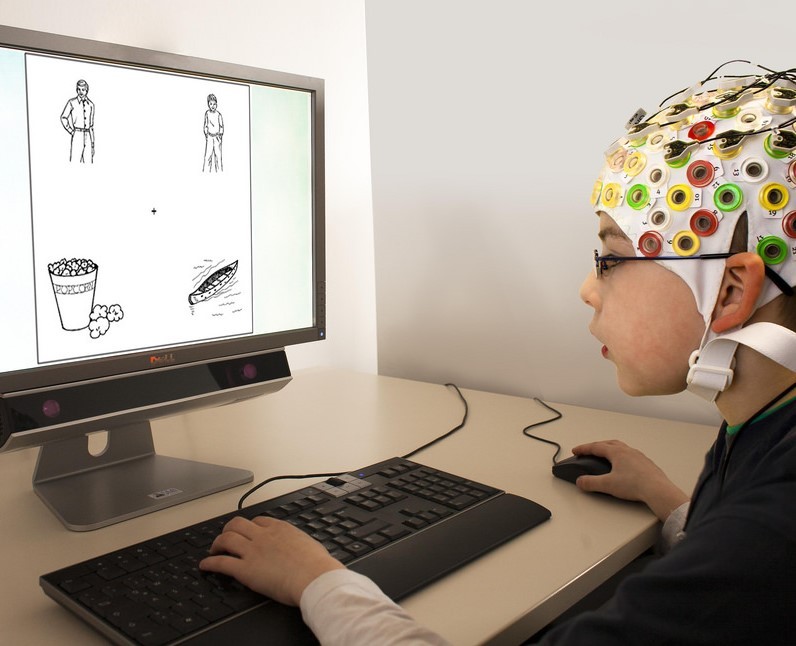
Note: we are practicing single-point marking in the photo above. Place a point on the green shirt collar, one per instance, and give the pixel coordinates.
(733, 430)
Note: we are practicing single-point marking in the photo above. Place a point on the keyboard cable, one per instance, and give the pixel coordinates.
(339, 473)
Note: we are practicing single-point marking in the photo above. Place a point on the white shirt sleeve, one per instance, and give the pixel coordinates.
(346, 608)
(672, 531)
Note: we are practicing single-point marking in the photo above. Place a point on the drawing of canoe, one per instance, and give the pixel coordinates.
(213, 283)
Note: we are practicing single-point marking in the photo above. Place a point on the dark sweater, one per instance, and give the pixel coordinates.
(732, 579)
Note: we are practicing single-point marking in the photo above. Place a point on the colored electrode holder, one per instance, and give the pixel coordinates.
(634, 163)
(617, 160)
(650, 244)
(704, 223)
(728, 146)
(700, 173)
(728, 197)
(789, 224)
(685, 243)
(772, 250)
(771, 150)
(780, 100)
(702, 130)
(677, 153)
(754, 170)
(660, 219)
(722, 112)
(596, 190)
(792, 172)
(679, 197)
(774, 196)
(657, 140)
(612, 195)
(638, 196)
(660, 175)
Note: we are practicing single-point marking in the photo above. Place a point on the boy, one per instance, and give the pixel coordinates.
(701, 189)
(214, 134)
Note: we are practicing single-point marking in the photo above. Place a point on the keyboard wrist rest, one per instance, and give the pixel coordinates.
(444, 547)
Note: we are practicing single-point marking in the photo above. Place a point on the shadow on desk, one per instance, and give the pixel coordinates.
(597, 597)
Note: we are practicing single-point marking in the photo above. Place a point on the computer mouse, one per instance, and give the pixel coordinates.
(571, 469)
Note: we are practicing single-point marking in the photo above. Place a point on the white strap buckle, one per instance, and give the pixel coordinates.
(709, 373)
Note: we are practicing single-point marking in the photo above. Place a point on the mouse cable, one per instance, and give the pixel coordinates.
(339, 473)
(558, 415)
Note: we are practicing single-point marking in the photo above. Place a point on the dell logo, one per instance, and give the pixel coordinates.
(162, 359)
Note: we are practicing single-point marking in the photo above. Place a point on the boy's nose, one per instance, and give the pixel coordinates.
(588, 289)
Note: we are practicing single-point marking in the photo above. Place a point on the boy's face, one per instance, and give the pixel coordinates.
(646, 317)
(212, 105)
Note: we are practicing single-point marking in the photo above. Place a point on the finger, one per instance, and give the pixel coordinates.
(591, 483)
(240, 525)
(228, 565)
(230, 543)
(601, 449)
(266, 521)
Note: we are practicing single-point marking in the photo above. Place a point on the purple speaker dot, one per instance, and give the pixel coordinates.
(249, 371)
(51, 408)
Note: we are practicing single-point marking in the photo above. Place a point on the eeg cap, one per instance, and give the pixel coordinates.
(677, 183)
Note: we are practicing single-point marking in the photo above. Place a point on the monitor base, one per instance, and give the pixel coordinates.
(126, 480)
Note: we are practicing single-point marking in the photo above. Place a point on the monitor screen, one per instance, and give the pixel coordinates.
(163, 231)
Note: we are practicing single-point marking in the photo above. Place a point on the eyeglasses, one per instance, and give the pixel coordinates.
(604, 263)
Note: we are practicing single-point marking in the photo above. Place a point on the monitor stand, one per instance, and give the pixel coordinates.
(126, 480)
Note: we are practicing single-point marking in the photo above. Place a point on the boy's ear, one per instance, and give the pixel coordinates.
(744, 274)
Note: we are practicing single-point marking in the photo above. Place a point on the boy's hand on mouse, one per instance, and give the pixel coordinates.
(633, 476)
(269, 556)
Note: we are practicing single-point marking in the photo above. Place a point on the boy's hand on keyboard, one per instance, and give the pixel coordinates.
(269, 556)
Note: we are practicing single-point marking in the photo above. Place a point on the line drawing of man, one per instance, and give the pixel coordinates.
(77, 119)
(214, 131)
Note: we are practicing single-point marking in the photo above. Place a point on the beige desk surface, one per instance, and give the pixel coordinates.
(327, 420)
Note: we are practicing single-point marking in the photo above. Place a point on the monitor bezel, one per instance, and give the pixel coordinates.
(53, 375)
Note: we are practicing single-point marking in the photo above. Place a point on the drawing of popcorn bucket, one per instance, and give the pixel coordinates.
(73, 284)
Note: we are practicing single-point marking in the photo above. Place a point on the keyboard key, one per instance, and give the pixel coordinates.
(376, 540)
(149, 633)
(73, 586)
(461, 502)
(367, 529)
(394, 532)
(357, 548)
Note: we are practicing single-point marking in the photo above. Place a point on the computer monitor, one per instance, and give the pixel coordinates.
(162, 241)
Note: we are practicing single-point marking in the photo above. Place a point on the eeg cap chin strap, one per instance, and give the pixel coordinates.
(711, 367)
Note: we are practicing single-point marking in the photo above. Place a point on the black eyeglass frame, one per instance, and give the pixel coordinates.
(600, 265)
(600, 262)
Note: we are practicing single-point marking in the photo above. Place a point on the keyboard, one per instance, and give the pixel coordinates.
(398, 522)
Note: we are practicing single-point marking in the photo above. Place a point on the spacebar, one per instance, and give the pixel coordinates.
(408, 565)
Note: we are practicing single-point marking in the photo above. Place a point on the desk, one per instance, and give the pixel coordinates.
(327, 420)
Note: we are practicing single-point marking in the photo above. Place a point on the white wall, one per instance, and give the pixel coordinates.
(309, 37)
(488, 123)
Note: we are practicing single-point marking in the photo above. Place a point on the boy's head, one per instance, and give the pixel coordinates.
(212, 102)
(711, 173)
